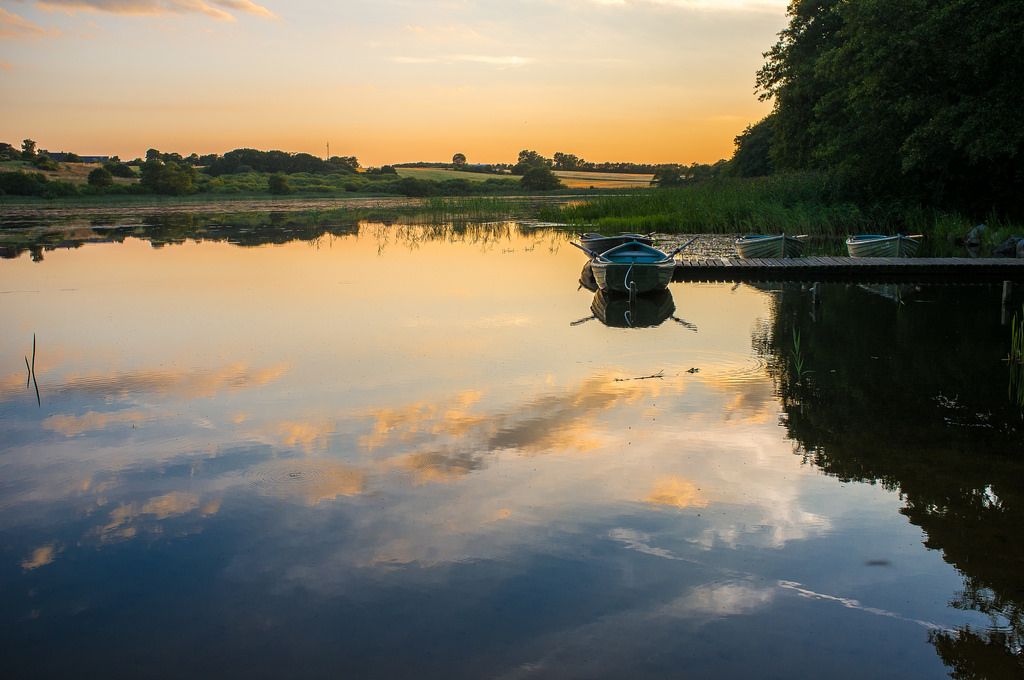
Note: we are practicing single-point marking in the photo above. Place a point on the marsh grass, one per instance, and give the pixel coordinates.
(1015, 359)
(806, 203)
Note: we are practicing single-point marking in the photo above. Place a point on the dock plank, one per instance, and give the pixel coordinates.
(954, 269)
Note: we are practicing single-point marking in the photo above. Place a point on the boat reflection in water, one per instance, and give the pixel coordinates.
(645, 311)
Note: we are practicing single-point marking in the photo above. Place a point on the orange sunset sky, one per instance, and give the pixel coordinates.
(387, 81)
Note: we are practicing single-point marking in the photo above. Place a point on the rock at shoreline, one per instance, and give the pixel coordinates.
(1011, 247)
(974, 236)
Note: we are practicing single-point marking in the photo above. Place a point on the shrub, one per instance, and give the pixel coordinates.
(101, 178)
(540, 178)
(278, 184)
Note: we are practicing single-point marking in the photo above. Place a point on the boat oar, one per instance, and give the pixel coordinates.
(685, 245)
(588, 251)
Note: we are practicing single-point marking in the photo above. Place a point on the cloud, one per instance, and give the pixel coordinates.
(40, 557)
(14, 26)
(70, 426)
(216, 9)
(676, 492)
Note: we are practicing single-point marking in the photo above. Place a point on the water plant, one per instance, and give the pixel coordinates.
(798, 357)
(1015, 359)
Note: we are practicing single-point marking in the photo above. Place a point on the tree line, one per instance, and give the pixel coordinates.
(911, 100)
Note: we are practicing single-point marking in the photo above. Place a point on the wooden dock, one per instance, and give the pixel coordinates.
(850, 268)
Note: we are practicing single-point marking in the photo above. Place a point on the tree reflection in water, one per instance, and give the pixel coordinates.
(913, 396)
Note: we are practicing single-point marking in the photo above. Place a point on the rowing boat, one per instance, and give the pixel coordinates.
(599, 243)
(879, 245)
(770, 245)
(633, 266)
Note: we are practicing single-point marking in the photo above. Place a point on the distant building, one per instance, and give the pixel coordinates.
(61, 157)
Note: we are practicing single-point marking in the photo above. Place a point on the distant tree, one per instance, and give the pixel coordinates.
(530, 159)
(152, 154)
(193, 159)
(72, 157)
(101, 178)
(28, 149)
(278, 184)
(540, 178)
(119, 169)
(344, 163)
(459, 160)
(567, 161)
(8, 152)
(669, 176)
(44, 162)
(167, 177)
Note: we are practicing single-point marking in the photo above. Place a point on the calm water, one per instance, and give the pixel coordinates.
(418, 452)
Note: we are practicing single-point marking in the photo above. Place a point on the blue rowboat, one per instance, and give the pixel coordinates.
(599, 243)
(770, 245)
(880, 245)
(633, 266)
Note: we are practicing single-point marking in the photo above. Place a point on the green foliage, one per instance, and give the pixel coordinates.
(45, 163)
(459, 159)
(567, 161)
(250, 160)
(9, 153)
(118, 169)
(753, 149)
(101, 178)
(170, 178)
(34, 184)
(530, 159)
(72, 157)
(278, 184)
(540, 178)
(28, 149)
(916, 99)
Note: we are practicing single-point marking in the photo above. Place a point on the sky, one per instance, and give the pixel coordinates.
(388, 81)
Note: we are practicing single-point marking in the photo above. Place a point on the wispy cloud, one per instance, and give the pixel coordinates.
(492, 60)
(14, 26)
(216, 9)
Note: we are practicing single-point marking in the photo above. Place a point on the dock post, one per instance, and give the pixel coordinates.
(1007, 296)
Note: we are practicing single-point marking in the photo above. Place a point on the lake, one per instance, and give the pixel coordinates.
(369, 450)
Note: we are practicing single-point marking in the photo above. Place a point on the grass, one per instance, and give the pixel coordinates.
(441, 174)
(1016, 359)
(792, 204)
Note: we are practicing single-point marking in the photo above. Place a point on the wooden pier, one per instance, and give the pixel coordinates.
(952, 269)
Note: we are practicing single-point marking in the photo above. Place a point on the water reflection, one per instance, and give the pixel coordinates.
(378, 455)
(943, 438)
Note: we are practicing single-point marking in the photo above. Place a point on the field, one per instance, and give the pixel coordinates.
(571, 180)
(441, 174)
(76, 173)
(603, 180)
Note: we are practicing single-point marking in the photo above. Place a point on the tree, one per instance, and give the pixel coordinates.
(752, 157)
(8, 152)
(28, 149)
(167, 177)
(459, 160)
(278, 184)
(101, 178)
(914, 99)
(540, 178)
(669, 176)
(567, 161)
(530, 159)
